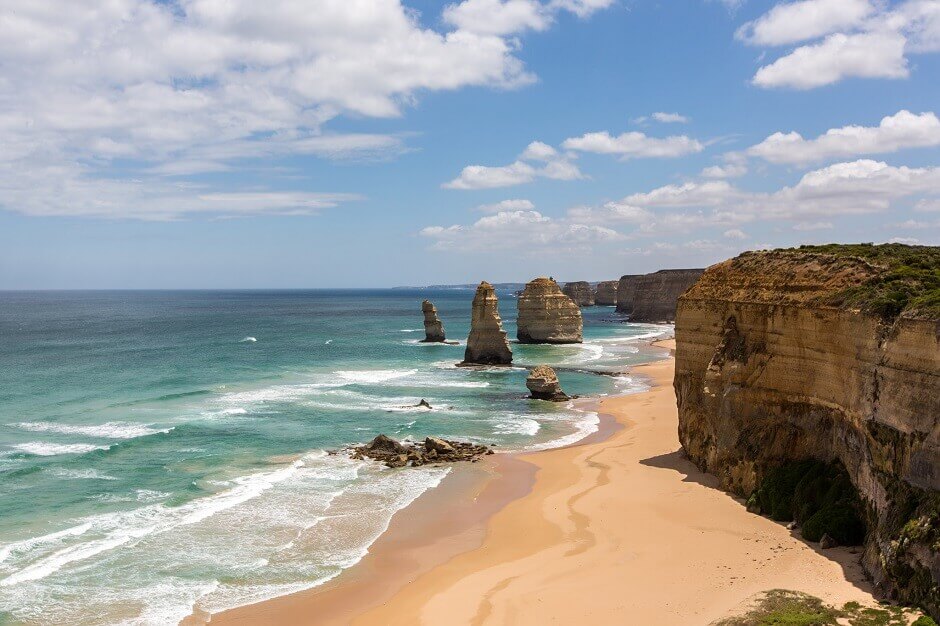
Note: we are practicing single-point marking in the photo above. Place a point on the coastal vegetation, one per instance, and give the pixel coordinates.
(781, 607)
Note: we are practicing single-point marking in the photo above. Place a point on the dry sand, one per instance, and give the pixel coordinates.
(620, 529)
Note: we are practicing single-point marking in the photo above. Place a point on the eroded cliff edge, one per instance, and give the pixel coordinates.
(827, 353)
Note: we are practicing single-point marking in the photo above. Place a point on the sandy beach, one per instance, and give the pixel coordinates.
(617, 529)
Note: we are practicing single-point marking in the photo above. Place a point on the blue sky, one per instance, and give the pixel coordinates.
(370, 143)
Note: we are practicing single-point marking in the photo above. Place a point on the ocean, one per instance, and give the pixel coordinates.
(161, 451)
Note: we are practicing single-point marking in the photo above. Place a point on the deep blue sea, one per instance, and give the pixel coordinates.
(161, 451)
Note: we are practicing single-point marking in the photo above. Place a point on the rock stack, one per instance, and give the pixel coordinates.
(606, 293)
(544, 385)
(657, 294)
(546, 315)
(580, 292)
(626, 291)
(487, 343)
(433, 328)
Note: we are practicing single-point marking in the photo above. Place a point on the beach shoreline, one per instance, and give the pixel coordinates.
(597, 529)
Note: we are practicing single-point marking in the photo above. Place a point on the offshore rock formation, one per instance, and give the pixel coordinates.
(543, 383)
(626, 291)
(546, 315)
(657, 294)
(580, 292)
(812, 354)
(606, 293)
(433, 328)
(487, 343)
(433, 450)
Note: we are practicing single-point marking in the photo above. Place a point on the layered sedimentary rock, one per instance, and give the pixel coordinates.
(433, 328)
(543, 383)
(580, 292)
(626, 291)
(546, 315)
(434, 450)
(487, 343)
(656, 294)
(606, 293)
(773, 366)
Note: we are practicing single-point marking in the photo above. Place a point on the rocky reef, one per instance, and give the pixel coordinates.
(546, 315)
(626, 291)
(580, 292)
(656, 294)
(543, 383)
(487, 343)
(434, 450)
(433, 327)
(827, 354)
(605, 294)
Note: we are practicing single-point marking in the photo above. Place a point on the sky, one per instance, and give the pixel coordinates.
(372, 143)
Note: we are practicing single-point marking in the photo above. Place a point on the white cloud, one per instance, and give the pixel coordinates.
(670, 118)
(556, 167)
(793, 22)
(507, 205)
(498, 17)
(711, 193)
(928, 205)
(200, 83)
(735, 233)
(839, 56)
(807, 226)
(633, 145)
(896, 132)
(729, 170)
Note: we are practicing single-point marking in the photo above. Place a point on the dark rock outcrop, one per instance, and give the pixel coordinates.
(543, 383)
(581, 292)
(487, 343)
(626, 290)
(546, 315)
(658, 293)
(774, 366)
(434, 450)
(605, 294)
(433, 328)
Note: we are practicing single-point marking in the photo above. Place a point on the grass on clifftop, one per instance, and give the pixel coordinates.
(910, 285)
(780, 607)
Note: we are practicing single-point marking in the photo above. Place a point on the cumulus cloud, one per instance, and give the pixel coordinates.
(735, 233)
(507, 205)
(896, 132)
(794, 22)
(201, 83)
(550, 164)
(729, 170)
(634, 145)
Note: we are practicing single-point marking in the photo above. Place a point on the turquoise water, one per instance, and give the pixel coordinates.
(161, 451)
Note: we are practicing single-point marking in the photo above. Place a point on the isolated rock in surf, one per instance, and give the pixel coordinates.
(580, 292)
(543, 383)
(433, 327)
(546, 315)
(606, 293)
(487, 343)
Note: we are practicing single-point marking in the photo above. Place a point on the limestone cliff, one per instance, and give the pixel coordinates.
(656, 294)
(606, 293)
(626, 291)
(433, 328)
(825, 353)
(546, 315)
(487, 343)
(580, 292)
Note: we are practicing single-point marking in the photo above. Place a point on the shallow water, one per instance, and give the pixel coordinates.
(165, 450)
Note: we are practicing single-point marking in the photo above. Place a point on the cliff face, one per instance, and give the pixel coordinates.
(580, 292)
(656, 294)
(433, 328)
(606, 293)
(546, 315)
(768, 371)
(487, 343)
(626, 291)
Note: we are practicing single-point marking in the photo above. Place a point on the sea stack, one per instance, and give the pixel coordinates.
(487, 343)
(580, 292)
(657, 294)
(433, 328)
(544, 385)
(626, 291)
(546, 315)
(606, 293)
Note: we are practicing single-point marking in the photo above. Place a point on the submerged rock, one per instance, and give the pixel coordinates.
(580, 292)
(487, 343)
(543, 383)
(546, 315)
(606, 293)
(433, 328)
(434, 450)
